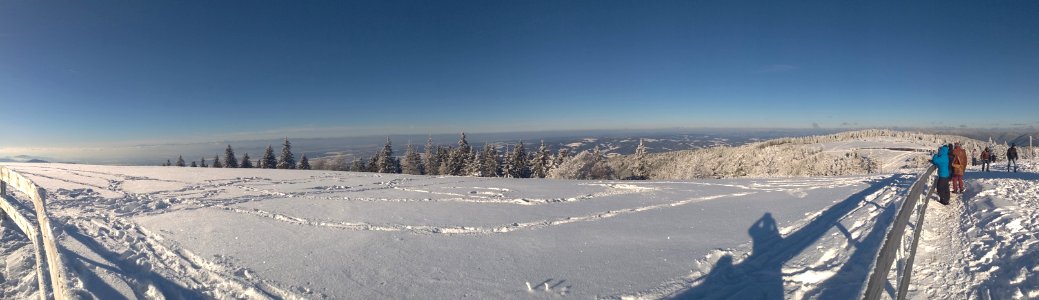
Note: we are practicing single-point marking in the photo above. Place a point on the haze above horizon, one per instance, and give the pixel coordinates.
(87, 73)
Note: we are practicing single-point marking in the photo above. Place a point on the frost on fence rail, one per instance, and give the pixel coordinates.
(40, 233)
(893, 243)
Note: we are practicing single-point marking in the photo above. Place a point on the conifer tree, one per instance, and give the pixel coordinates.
(193, 164)
(430, 165)
(473, 165)
(229, 158)
(357, 166)
(562, 157)
(303, 163)
(459, 157)
(246, 161)
(373, 164)
(216, 162)
(180, 161)
(268, 161)
(203, 163)
(518, 162)
(167, 164)
(541, 164)
(286, 161)
(386, 162)
(412, 163)
(443, 158)
(639, 170)
(600, 170)
(491, 163)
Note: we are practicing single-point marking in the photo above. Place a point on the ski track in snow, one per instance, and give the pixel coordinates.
(96, 210)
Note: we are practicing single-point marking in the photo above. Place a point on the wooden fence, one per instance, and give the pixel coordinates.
(894, 243)
(50, 269)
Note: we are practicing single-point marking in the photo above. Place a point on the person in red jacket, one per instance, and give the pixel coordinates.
(959, 166)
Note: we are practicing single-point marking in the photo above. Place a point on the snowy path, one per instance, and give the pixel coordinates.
(986, 244)
(142, 232)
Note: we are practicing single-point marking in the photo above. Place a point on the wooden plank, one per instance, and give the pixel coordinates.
(41, 234)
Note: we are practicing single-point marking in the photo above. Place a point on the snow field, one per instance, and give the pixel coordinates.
(146, 232)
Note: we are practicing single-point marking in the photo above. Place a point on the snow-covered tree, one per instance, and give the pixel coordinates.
(542, 162)
(304, 164)
(561, 157)
(386, 162)
(473, 165)
(357, 166)
(491, 163)
(268, 161)
(180, 161)
(586, 165)
(639, 170)
(202, 163)
(443, 158)
(216, 162)
(518, 162)
(459, 157)
(246, 161)
(286, 161)
(229, 158)
(430, 165)
(412, 163)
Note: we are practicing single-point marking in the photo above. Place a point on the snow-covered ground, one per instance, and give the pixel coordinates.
(986, 244)
(142, 232)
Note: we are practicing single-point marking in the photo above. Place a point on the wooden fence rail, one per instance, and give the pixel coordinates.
(893, 243)
(50, 268)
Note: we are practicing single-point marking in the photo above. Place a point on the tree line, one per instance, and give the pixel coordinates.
(515, 161)
(285, 161)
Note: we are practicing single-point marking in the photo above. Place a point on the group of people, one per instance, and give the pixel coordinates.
(988, 157)
(951, 161)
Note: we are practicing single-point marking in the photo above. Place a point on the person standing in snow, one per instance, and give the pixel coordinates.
(986, 158)
(1012, 157)
(959, 166)
(941, 161)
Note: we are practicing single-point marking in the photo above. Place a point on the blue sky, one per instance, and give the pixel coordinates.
(75, 73)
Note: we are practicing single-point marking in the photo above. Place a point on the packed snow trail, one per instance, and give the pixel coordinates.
(986, 244)
(151, 232)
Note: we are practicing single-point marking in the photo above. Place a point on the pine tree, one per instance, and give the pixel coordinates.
(286, 161)
(430, 165)
(386, 162)
(491, 163)
(373, 164)
(542, 162)
(412, 163)
(518, 162)
(459, 157)
(443, 158)
(303, 163)
(473, 165)
(357, 166)
(229, 158)
(268, 161)
(246, 162)
(180, 161)
(600, 170)
(203, 163)
(562, 157)
(639, 170)
(216, 162)
(167, 164)
(193, 164)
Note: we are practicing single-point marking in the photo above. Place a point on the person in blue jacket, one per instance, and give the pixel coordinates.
(941, 161)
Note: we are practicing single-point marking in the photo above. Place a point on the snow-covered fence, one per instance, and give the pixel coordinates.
(894, 243)
(40, 233)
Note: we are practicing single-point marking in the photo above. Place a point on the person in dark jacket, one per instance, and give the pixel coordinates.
(1012, 157)
(941, 161)
(986, 158)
